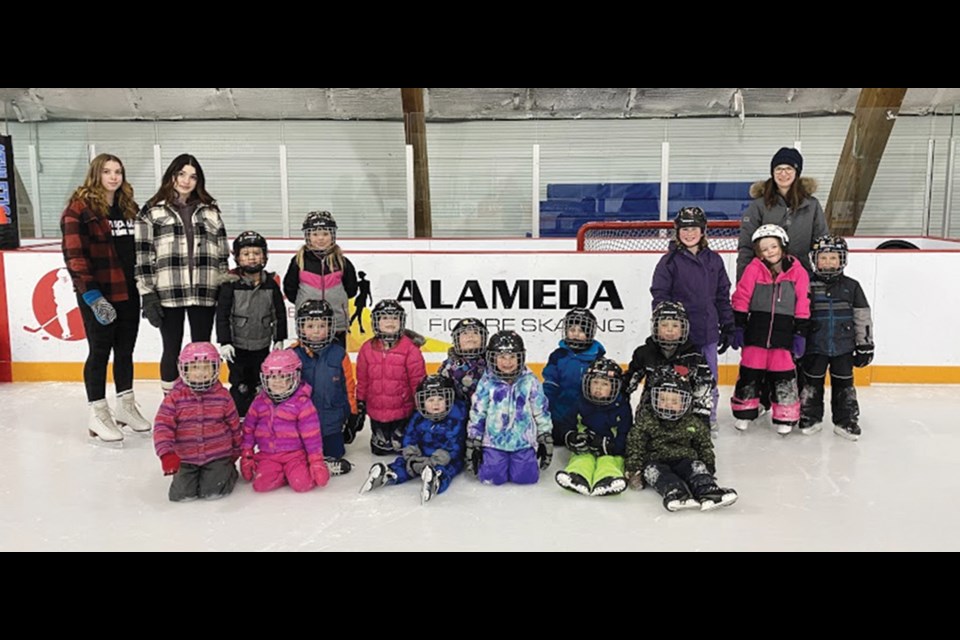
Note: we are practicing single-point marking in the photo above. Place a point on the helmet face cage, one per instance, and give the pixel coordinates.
(313, 318)
(423, 395)
(600, 374)
(292, 378)
(319, 221)
(388, 309)
(250, 239)
(587, 323)
(505, 376)
(187, 368)
(672, 312)
(465, 326)
(828, 244)
(670, 400)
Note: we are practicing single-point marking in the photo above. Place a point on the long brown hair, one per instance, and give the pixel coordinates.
(167, 193)
(795, 195)
(92, 193)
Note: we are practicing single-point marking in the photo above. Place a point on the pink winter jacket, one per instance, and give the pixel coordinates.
(387, 380)
(292, 425)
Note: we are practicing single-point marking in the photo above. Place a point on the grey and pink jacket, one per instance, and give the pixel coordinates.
(199, 427)
(291, 425)
(387, 379)
(772, 310)
(310, 278)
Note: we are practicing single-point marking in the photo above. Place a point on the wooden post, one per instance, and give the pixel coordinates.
(866, 141)
(415, 130)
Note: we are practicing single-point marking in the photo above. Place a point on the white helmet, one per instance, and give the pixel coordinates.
(771, 231)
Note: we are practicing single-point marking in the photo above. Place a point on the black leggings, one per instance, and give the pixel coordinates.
(171, 331)
(120, 336)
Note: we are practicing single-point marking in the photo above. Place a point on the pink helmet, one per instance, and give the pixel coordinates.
(196, 353)
(282, 364)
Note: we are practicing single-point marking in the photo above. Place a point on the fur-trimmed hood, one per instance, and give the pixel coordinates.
(810, 184)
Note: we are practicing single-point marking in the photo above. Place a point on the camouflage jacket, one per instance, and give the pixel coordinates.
(654, 440)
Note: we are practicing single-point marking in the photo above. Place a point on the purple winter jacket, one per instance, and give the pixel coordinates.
(700, 282)
(291, 425)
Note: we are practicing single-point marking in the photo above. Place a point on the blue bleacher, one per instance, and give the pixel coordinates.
(568, 206)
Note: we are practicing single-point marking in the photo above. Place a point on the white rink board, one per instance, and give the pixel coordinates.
(915, 299)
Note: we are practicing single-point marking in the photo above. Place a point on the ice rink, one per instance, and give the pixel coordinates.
(892, 490)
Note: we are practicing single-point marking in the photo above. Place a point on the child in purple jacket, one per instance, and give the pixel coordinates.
(282, 423)
(692, 274)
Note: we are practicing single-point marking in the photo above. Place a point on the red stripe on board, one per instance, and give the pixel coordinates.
(6, 374)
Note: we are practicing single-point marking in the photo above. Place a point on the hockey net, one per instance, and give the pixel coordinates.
(722, 235)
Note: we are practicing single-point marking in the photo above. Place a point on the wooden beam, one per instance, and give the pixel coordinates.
(415, 131)
(863, 149)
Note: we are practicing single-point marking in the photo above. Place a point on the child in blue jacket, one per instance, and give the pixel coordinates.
(432, 443)
(565, 368)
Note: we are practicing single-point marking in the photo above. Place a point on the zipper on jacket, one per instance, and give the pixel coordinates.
(773, 306)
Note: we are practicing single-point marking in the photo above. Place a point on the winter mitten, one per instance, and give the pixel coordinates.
(103, 311)
(577, 441)
(170, 463)
(544, 450)
(227, 352)
(600, 445)
(474, 455)
(318, 469)
(737, 341)
(799, 346)
(863, 355)
(726, 336)
(248, 467)
(350, 428)
(152, 309)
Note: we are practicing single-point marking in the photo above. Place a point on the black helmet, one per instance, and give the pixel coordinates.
(672, 311)
(602, 369)
(432, 386)
(388, 309)
(583, 318)
(465, 326)
(691, 217)
(505, 343)
(310, 310)
(320, 221)
(670, 393)
(828, 244)
(250, 239)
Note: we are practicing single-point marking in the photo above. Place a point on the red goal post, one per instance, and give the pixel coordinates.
(722, 235)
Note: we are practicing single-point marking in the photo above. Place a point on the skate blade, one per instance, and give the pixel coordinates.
(97, 441)
(126, 428)
(684, 505)
(811, 430)
(846, 434)
(710, 505)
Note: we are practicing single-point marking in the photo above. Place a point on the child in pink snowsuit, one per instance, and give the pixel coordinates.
(283, 424)
(771, 311)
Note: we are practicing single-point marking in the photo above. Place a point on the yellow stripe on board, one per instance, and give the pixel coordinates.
(73, 372)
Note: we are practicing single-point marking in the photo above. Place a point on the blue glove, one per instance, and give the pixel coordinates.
(799, 346)
(103, 311)
(737, 341)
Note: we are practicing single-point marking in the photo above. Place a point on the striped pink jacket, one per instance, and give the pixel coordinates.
(292, 425)
(198, 427)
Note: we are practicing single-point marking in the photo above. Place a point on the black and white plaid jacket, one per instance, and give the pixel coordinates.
(162, 264)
